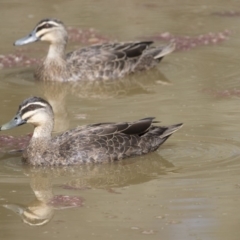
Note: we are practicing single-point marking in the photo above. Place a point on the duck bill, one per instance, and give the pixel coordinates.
(27, 216)
(16, 121)
(15, 208)
(28, 39)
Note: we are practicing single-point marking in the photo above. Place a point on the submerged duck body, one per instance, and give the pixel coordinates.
(96, 143)
(97, 62)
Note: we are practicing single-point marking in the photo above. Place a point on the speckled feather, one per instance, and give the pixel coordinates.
(111, 60)
(97, 62)
(105, 142)
(95, 143)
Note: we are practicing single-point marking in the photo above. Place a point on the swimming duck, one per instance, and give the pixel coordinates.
(95, 143)
(97, 62)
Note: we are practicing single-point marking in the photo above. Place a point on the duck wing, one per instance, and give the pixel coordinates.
(114, 60)
(103, 142)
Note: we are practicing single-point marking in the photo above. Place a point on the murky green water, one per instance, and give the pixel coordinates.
(189, 188)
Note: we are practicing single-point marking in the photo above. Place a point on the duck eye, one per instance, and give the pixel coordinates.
(16, 119)
(47, 25)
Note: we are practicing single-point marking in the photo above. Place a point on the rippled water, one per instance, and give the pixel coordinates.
(189, 188)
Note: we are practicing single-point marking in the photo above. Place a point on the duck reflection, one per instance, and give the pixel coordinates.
(38, 212)
(41, 210)
(105, 89)
(56, 93)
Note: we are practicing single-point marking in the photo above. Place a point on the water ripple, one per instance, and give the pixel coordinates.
(208, 154)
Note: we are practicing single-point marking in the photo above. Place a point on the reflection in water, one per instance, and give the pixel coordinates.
(227, 13)
(104, 176)
(184, 43)
(41, 210)
(8, 142)
(56, 92)
(135, 84)
(38, 212)
(124, 173)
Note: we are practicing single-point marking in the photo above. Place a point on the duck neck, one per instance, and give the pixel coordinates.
(56, 52)
(39, 143)
(42, 135)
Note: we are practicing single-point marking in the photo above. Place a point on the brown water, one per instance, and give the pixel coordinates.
(189, 188)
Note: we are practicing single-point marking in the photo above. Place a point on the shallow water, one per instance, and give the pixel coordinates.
(189, 188)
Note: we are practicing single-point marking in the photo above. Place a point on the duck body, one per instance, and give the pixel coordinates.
(106, 142)
(96, 143)
(106, 61)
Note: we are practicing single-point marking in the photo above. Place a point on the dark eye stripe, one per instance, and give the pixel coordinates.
(26, 119)
(31, 107)
(44, 26)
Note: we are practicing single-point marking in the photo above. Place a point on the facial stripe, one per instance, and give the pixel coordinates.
(27, 115)
(49, 22)
(52, 20)
(32, 103)
(46, 25)
(31, 108)
(41, 33)
(32, 219)
(53, 23)
(36, 102)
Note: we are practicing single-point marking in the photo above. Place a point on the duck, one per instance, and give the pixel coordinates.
(107, 61)
(94, 143)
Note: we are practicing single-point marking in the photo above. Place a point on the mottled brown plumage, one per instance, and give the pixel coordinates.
(96, 62)
(95, 143)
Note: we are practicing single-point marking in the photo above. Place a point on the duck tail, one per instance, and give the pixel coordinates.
(170, 130)
(159, 53)
(153, 56)
(163, 133)
(157, 135)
